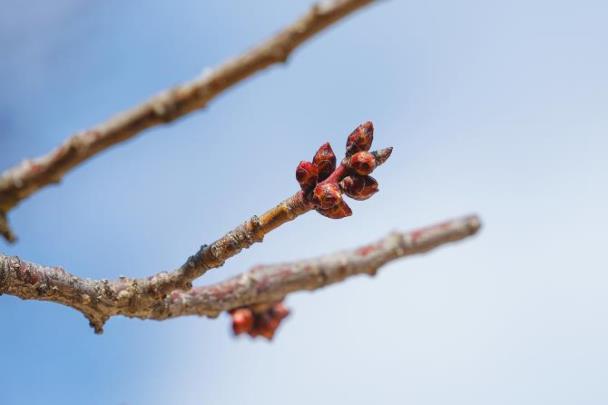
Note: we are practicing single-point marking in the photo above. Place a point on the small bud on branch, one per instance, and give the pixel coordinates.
(242, 320)
(258, 320)
(382, 155)
(307, 175)
(326, 195)
(360, 139)
(339, 211)
(362, 163)
(359, 187)
(325, 160)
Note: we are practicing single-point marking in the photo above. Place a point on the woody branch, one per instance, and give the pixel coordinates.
(322, 184)
(255, 291)
(23, 180)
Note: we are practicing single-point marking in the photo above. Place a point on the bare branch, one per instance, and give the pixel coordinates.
(261, 285)
(21, 181)
(100, 299)
(267, 284)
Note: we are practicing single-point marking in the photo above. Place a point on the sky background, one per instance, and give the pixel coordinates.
(495, 108)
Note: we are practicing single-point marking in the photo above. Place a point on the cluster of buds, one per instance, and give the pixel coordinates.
(258, 320)
(323, 184)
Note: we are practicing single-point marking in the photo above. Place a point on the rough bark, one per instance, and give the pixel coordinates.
(98, 300)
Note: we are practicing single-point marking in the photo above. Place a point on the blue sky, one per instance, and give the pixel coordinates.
(497, 108)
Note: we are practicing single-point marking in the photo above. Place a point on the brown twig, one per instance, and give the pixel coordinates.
(262, 285)
(21, 181)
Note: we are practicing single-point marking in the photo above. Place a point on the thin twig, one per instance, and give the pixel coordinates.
(21, 181)
(261, 285)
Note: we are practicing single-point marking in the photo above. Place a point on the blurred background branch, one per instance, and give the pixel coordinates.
(21, 181)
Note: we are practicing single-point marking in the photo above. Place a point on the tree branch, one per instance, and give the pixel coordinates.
(100, 299)
(267, 284)
(261, 285)
(322, 186)
(21, 181)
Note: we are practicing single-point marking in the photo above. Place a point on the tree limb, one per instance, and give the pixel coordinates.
(21, 181)
(267, 284)
(100, 299)
(263, 284)
(322, 185)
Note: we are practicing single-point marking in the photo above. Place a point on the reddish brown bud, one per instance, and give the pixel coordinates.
(359, 187)
(360, 139)
(326, 195)
(280, 311)
(338, 211)
(325, 160)
(270, 326)
(267, 332)
(266, 325)
(242, 320)
(362, 163)
(259, 320)
(382, 155)
(307, 175)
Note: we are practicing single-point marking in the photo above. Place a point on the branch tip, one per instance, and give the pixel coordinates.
(5, 229)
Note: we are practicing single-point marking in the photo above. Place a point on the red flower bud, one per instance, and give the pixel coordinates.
(326, 195)
(307, 175)
(265, 325)
(242, 320)
(338, 211)
(280, 311)
(259, 320)
(268, 333)
(359, 187)
(362, 162)
(325, 160)
(360, 139)
(382, 155)
(272, 324)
